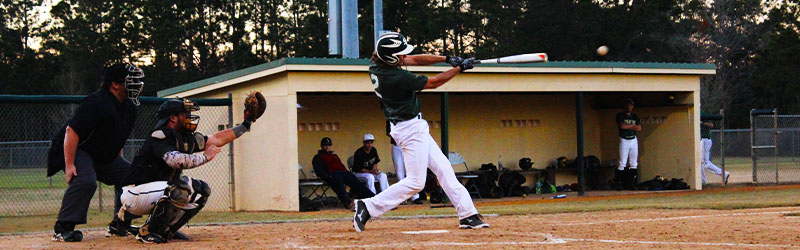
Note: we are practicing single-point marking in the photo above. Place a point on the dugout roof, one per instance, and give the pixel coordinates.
(362, 65)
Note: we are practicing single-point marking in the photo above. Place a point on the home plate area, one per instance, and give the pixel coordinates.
(774, 228)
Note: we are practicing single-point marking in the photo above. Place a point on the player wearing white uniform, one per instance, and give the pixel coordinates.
(399, 165)
(705, 140)
(397, 91)
(628, 124)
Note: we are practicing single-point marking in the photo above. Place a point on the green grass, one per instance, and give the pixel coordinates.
(730, 198)
(30, 178)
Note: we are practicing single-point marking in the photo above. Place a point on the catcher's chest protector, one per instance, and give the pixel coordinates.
(190, 143)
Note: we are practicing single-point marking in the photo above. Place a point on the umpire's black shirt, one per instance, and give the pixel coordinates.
(103, 125)
(149, 164)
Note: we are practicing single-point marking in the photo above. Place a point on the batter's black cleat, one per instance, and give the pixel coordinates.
(151, 238)
(361, 216)
(474, 221)
(417, 201)
(69, 236)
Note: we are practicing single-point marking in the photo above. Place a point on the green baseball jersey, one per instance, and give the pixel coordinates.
(705, 132)
(397, 91)
(631, 119)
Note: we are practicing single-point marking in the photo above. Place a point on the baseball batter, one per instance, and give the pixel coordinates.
(705, 140)
(397, 91)
(628, 124)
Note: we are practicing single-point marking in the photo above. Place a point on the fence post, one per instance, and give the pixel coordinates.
(722, 145)
(232, 181)
(100, 196)
(752, 147)
(775, 139)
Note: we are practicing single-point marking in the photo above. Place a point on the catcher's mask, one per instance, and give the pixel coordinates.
(390, 45)
(175, 107)
(128, 74)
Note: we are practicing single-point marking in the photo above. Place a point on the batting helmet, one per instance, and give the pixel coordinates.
(525, 163)
(390, 45)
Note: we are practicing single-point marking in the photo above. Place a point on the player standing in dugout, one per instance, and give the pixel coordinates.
(397, 92)
(89, 148)
(628, 123)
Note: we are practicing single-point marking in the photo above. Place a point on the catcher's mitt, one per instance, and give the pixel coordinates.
(254, 106)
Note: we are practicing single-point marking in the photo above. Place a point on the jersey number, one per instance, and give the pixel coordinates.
(375, 84)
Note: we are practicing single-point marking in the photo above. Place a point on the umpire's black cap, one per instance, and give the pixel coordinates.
(326, 141)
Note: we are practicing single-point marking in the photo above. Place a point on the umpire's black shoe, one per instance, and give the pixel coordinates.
(361, 216)
(68, 236)
(474, 221)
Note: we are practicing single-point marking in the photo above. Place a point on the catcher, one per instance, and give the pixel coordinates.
(154, 184)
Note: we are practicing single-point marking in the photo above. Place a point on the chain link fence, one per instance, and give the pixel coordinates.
(25, 135)
(767, 153)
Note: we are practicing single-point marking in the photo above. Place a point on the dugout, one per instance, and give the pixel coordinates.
(526, 110)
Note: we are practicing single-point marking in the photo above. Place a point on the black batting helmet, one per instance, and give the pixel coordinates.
(390, 45)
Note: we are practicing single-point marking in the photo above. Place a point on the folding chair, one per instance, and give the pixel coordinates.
(350, 161)
(457, 159)
(314, 185)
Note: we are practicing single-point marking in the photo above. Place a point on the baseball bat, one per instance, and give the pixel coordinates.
(523, 58)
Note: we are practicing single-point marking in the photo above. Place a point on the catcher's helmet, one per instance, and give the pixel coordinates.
(390, 45)
(127, 74)
(176, 106)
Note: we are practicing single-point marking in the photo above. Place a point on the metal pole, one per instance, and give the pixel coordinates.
(775, 140)
(349, 29)
(752, 147)
(722, 144)
(232, 182)
(579, 130)
(445, 124)
(334, 27)
(377, 7)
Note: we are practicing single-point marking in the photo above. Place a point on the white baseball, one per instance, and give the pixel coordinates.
(602, 50)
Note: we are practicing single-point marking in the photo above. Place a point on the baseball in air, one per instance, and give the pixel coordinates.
(602, 50)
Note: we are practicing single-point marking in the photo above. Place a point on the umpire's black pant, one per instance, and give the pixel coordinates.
(75, 203)
(337, 180)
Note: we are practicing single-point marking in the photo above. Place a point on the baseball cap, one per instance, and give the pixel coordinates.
(629, 101)
(369, 137)
(326, 141)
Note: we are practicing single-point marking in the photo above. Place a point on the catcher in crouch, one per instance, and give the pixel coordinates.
(154, 184)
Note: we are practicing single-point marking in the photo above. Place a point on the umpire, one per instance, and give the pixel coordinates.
(89, 148)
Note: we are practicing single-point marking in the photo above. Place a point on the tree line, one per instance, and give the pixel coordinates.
(61, 50)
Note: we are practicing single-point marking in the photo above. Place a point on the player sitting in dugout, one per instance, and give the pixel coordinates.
(154, 183)
(365, 165)
(330, 169)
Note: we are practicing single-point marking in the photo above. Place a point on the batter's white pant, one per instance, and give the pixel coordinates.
(706, 162)
(383, 180)
(420, 151)
(141, 199)
(628, 152)
(399, 166)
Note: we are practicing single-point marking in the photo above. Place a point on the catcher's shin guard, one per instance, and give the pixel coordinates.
(201, 192)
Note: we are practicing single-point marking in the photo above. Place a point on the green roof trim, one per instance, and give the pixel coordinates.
(364, 62)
